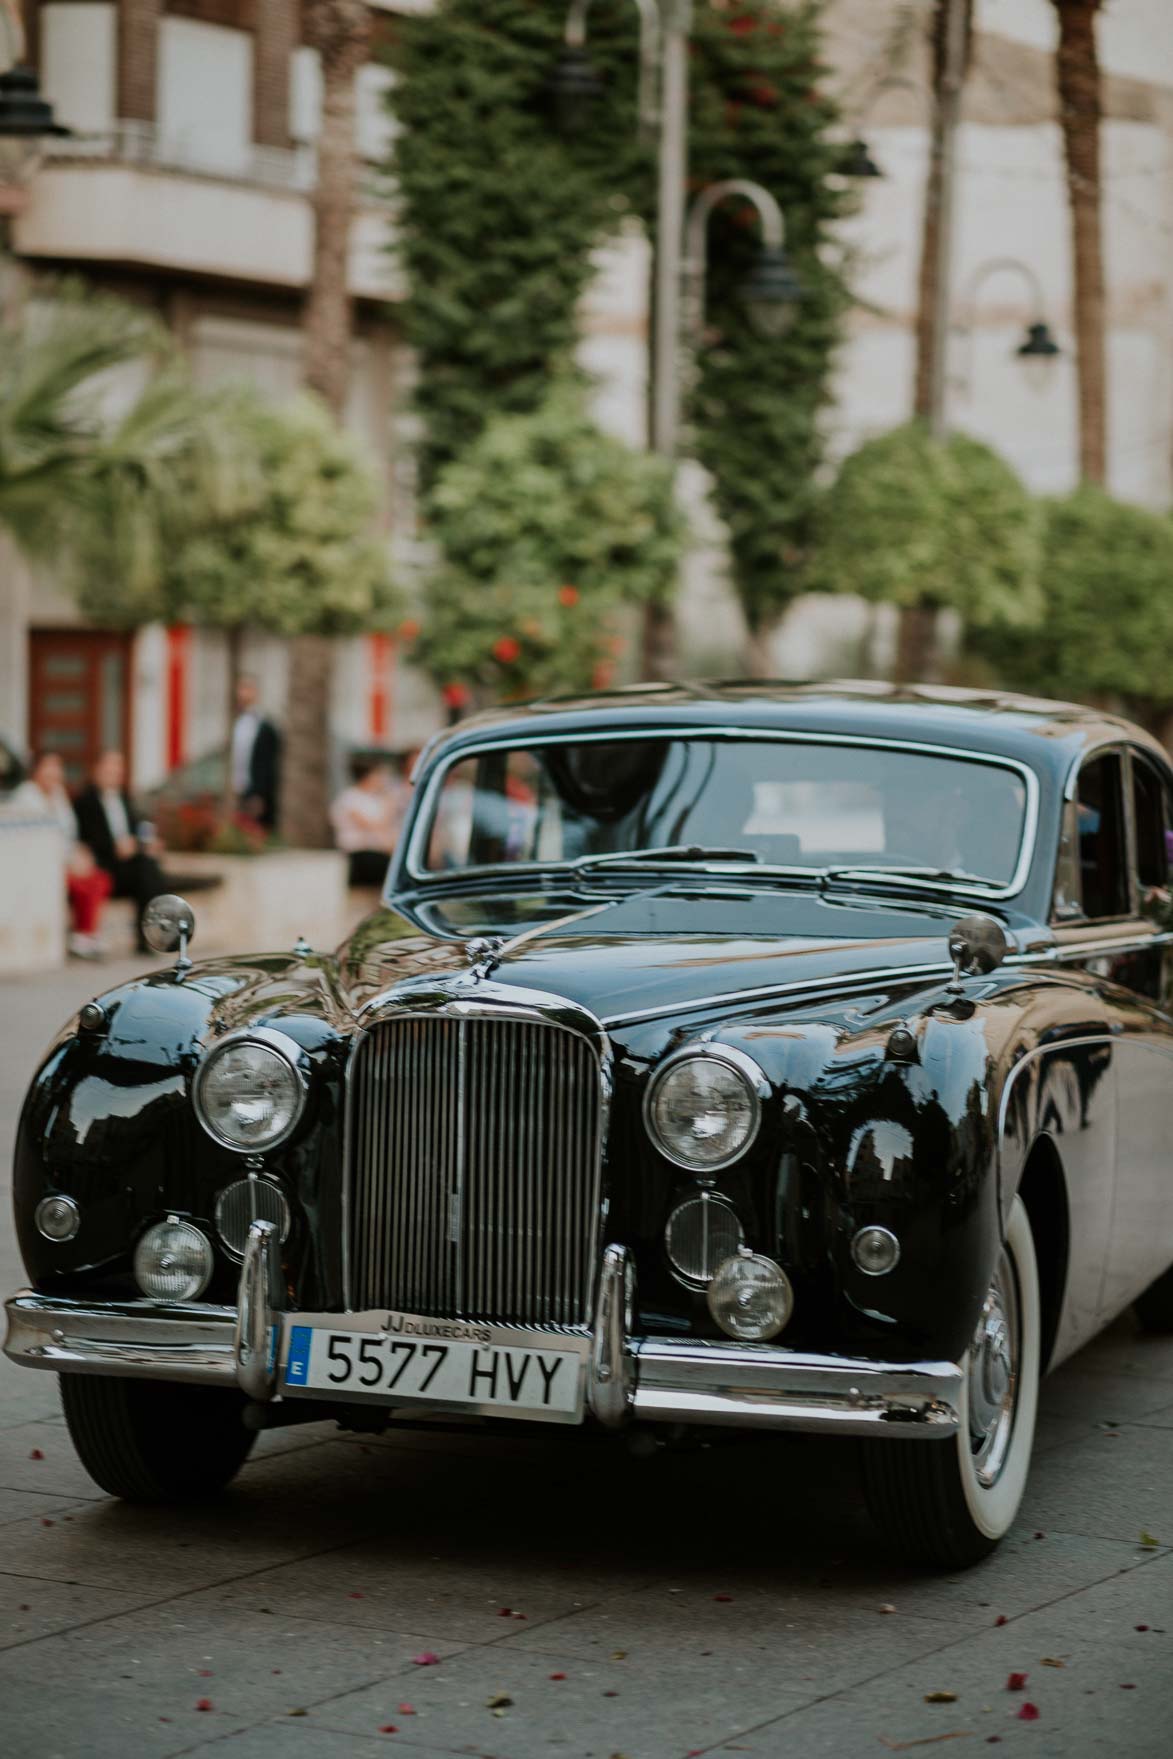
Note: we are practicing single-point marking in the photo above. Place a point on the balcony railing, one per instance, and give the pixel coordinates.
(143, 143)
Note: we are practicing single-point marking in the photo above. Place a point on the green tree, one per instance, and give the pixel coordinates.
(930, 526)
(1107, 626)
(300, 557)
(548, 528)
(97, 476)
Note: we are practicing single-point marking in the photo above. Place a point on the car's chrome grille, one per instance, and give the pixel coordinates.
(474, 1168)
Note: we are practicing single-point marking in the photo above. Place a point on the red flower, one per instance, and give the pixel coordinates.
(409, 629)
(568, 596)
(506, 649)
(764, 94)
(455, 695)
(743, 24)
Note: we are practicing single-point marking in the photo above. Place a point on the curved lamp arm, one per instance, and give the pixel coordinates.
(575, 36)
(963, 325)
(696, 227)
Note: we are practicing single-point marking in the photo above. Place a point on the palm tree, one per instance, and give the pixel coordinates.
(340, 30)
(1077, 78)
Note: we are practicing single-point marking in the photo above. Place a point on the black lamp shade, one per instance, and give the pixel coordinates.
(574, 88)
(771, 291)
(1039, 344)
(858, 162)
(23, 111)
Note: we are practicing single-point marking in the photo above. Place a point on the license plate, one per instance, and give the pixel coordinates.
(454, 1365)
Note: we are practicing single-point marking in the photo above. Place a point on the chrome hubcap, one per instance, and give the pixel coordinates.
(993, 1374)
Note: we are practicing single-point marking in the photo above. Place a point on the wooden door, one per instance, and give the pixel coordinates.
(79, 696)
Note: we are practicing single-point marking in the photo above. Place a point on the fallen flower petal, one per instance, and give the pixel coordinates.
(356, 1594)
(205, 1673)
(276, 1670)
(940, 1697)
(426, 1659)
(1016, 1682)
(45, 1521)
(1140, 1627)
(1028, 1712)
(204, 1704)
(1147, 1540)
(407, 1710)
(36, 1454)
(557, 1676)
(725, 1597)
(297, 1713)
(388, 1728)
(1001, 1619)
(498, 1701)
(505, 1612)
(610, 1694)
(1053, 1661)
(1128, 1688)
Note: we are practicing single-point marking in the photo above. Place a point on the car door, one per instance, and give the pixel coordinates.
(1121, 821)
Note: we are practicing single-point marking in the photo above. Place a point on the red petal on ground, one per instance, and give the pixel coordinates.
(557, 1676)
(610, 1694)
(1016, 1682)
(1001, 1619)
(1129, 1688)
(45, 1521)
(407, 1710)
(722, 1597)
(276, 1670)
(388, 1728)
(505, 1612)
(36, 1454)
(1028, 1712)
(426, 1659)
(205, 1673)
(204, 1704)
(1040, 1535)
(1140, 1627)
(356, 1594)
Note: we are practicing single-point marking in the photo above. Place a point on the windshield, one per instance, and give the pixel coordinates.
(784, 803)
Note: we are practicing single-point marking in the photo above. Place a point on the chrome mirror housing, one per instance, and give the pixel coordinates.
(977, 946)
(169, 926)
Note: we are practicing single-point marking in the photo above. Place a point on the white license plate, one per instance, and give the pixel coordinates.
(406, 1359)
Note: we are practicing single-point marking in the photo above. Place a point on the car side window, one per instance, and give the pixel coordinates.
(1103, 861)
(1150, 809)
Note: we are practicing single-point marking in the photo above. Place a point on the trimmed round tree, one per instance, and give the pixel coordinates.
(932, 526)
(1106, 630)
(548, 528)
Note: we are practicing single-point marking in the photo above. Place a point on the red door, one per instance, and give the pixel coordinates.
(79, 696)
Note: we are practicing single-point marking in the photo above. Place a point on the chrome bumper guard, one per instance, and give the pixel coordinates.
(649, 1380)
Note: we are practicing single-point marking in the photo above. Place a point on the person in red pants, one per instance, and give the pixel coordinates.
(87, 885)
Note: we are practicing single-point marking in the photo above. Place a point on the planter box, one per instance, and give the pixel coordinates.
(261, 905)
(32, 894)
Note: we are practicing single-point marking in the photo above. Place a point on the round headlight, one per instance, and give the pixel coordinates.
(751, 1298)
(704, 1107)
(57, 1218)
(173, 1261)
(248, 1093)
(702, 1232)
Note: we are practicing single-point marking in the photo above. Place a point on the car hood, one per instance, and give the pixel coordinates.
(668, 948)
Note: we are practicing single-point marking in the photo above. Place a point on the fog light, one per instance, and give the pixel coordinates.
(247, 1201)
(57, 1218)
(875, 1251)
(701, 1234)
(173, 1261)
(750, 1297)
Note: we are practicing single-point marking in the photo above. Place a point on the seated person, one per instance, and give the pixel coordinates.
(107, 821)
(366, 818)
(86, 884)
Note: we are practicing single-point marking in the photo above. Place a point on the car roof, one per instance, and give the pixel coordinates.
(1047, 735)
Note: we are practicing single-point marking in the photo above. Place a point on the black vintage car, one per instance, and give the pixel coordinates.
(794, 1058)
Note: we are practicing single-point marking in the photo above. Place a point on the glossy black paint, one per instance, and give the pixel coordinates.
(809, 982)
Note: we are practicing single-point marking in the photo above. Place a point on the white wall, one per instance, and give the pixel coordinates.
(79, 47)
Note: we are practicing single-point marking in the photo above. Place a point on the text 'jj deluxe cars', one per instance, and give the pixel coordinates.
(794, 1059)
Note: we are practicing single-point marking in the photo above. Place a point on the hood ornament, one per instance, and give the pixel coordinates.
(482, 953)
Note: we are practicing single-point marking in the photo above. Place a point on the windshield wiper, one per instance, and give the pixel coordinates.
(670, 852)
(877, 875)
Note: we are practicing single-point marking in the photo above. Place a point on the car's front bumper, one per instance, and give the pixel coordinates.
(652, 1380)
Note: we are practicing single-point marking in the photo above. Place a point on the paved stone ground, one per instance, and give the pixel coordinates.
(731, 1600)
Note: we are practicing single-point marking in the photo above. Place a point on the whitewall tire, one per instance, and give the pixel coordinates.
(950, 1502)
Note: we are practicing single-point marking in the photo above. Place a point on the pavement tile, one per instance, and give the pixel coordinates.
(19, 1505)
(116, 1720)
(1083, 1710)
(1110, 1488)
(660, 1706)
(305, 1739)
(58, 1470)
(31, 1607)
(1095, 1397)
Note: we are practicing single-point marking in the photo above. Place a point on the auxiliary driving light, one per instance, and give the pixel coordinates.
(173, 1261)
(751, 1297)
(876, 1251)
(57, 1218)
(702, 1232)
(245, 1202)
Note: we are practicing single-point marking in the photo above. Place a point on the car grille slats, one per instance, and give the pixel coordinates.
(474, 1169)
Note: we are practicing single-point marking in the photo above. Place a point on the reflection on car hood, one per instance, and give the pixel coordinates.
(665, 947)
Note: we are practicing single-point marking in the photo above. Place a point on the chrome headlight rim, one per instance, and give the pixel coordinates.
(269, 1039)
(757, 1088)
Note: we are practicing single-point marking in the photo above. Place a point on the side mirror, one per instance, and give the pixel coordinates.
(977, 946)
(169, 926)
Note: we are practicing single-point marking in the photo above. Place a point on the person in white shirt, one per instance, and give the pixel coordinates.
(255, 756)
(88, 886)
(366, 818)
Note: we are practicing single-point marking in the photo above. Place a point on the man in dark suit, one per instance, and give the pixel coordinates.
(107, 823)
(255, 756)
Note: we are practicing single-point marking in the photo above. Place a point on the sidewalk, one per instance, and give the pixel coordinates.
(579, 1602)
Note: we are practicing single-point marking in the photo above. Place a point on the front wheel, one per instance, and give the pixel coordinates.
(154, 1441)
(950, 1502)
